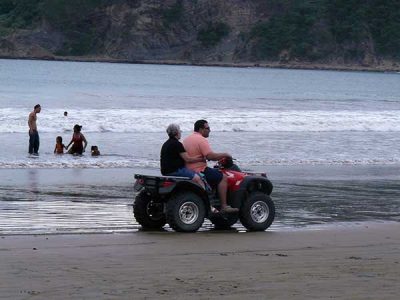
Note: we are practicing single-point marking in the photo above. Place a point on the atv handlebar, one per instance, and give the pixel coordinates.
(227, 163)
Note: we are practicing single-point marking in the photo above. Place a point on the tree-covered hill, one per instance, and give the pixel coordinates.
(332, 33)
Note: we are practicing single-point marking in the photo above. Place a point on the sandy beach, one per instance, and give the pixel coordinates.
(359, 262)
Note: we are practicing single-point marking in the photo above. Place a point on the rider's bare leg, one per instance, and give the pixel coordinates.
(222, 190)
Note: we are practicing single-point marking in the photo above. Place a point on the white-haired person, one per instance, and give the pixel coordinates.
(173, 157)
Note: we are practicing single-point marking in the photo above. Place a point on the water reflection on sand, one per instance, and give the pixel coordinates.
(78, 206)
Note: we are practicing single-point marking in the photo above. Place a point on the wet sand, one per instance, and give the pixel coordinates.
(69, 201)
(357, 262)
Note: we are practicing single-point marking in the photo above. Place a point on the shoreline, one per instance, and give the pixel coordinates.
(272, 65)
(337, 263)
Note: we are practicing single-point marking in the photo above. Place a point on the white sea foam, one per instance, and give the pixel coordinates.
(90, 163)
(78, 163)
(233, 120)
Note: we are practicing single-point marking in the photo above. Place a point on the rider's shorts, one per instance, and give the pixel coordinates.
(183, 172)
(213, 176)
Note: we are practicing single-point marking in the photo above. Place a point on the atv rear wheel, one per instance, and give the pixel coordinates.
(257, 212)
(185, 212)
(148, 214)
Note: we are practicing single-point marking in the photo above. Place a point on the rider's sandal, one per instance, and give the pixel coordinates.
(229, 209)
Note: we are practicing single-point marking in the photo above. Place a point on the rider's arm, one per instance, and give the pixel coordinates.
(206, 151)
(217, 156)
(191, 159)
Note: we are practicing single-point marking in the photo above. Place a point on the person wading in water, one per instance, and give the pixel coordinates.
(78, 139)
(33, 132)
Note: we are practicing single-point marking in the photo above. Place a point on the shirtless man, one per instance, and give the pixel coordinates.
(33, 132)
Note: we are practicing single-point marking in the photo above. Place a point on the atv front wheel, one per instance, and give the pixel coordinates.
(148, 213)
(185, 212)
(257, 212)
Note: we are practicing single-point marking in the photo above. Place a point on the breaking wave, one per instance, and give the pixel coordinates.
(96, 163)
(14, 120)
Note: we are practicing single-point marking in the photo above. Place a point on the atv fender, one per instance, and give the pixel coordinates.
(256, 183)
(249, 185)
(191, 186)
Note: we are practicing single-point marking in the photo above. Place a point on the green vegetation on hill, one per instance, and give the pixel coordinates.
(20, 14)
(174, 13)
(289, 29)
(212, 34)
(315, 29)
(355, 21)
(73, 19)
(286, 30)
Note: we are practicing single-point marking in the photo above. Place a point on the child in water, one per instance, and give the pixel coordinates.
(59, 148)
(95, 151)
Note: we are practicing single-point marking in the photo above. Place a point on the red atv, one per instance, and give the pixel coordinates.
(183, 204)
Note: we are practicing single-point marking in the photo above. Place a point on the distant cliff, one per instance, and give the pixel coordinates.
(339, 34)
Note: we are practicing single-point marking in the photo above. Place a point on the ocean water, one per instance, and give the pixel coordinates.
(266, 118)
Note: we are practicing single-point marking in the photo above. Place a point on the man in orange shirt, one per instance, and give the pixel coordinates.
(196, 145)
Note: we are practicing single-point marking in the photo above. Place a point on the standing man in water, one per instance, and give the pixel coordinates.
(33, 132)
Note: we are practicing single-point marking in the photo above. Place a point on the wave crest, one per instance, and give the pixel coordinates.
(156, 120)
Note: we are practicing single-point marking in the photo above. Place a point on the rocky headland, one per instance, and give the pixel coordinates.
(342, 35)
